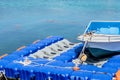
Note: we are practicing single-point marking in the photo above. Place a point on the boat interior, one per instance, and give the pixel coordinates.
(104, 27)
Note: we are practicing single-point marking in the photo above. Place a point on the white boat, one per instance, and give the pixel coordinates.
(103, 37)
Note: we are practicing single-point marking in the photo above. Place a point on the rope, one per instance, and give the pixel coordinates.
(47, 64)
(83, 49)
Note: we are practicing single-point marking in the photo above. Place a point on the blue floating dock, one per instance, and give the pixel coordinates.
(51, 59)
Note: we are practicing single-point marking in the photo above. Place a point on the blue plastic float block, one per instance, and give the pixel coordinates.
(112, 65)
(12, 70)
(23, 58)
(57, 37)
(80, 75)
(41, 73)
(69, 64)
(78, 48)
(89, 68)
(110, 71)
(27, 73)
(114, 59)
(62, 73)
(11, 57)
(101, 77)
(55, 63)
(54, 73)
(3, 63)
(15, 70)
(53, 40)
(21, 53)
(31, 48)
(63, 58)
(39, 45)
(73, 50)
(70, 53)
(46, 42)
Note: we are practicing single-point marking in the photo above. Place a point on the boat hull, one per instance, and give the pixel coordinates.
(99, 49)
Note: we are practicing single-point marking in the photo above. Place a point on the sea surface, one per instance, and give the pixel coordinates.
(24, 21)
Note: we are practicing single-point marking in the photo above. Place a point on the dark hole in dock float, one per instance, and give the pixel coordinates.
(53, 53)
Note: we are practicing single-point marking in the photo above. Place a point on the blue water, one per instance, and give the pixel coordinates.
(23, 21)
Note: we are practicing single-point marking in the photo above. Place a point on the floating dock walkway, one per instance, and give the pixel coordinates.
(51, 59)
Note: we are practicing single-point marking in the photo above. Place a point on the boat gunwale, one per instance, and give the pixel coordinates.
(110, 38)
